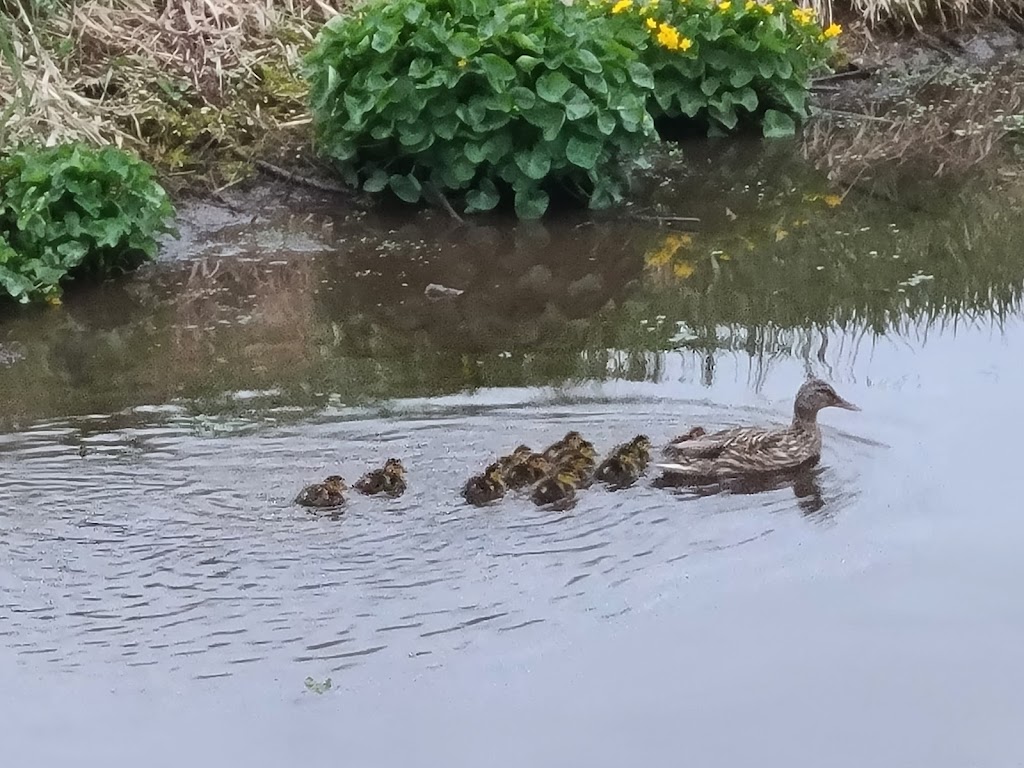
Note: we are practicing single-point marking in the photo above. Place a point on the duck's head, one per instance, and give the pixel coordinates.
(522, 452)
(816, 394)
(336, 482)
(394, 467)
(493, 473)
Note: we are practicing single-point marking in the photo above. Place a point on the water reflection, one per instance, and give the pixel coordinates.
(782, 267)
(805, 484)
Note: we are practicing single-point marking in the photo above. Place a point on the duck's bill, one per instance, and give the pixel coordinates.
(847, 405)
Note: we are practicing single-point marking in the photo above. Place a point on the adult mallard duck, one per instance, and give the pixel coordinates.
(753, 450)
(486, 487)
(390, 480)
(626, 463)
(325, 494)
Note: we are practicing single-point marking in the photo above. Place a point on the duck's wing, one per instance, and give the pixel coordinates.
(714, 445)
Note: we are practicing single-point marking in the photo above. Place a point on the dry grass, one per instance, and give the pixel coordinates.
(915, 13)
(97, 70)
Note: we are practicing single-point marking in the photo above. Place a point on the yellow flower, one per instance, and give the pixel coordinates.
(462, 63)
(832, 200)
(724, 6)
(668, 36)
(751, 5)
(651, 23)
(622, 5)
(768, 8)
(685, 43)
(803, 15)
(833, 30)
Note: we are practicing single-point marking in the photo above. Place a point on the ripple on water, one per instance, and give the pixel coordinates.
(164, 546)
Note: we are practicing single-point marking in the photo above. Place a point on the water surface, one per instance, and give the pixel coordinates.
(155, 430)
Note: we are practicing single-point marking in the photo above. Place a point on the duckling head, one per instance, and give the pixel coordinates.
(640, 443)
(336, 482)
(394, 467)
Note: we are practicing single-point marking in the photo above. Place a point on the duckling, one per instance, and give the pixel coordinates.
(527, 472)
(626, 463)
(572, 441)
(558, 488)
(484, 488)
(325, 494)
(390, 480)
(518, 456)
(580, 463)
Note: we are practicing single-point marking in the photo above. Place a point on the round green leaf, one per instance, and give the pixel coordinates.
(778, 124)
(641, 75)
(484, 198)
(582, 153)
(376, 181)
(463, 45)
(406, 187)
(497, 70)
(531, 203)
(551, 86)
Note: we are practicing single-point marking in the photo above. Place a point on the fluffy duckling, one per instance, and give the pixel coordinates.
(325, 494)
(580, 462)
(518, 456)
(390, 480)
(573, 441)
(527, 472)
(557, 488)
(486, 487)
(626, 463)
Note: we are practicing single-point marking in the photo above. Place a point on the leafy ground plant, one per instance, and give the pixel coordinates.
(722, 63)
(71, 209)
(481, 101)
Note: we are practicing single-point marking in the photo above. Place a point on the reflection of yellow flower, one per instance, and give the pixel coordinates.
(682, 270)
(833, 30)
(832, 200)
(724, 6)
(672, 243)
(622, 5)
(651, 23)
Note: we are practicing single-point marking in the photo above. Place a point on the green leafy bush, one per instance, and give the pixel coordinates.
(723, 62)
(71, 209)
(482, 99)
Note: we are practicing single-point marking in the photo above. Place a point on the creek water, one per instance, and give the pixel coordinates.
(163, 599)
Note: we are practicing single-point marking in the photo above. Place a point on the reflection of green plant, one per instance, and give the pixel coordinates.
(723, 62)
(480, 99)
(71, 208)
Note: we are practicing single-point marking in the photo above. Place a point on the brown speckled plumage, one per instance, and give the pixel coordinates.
(750, 450)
